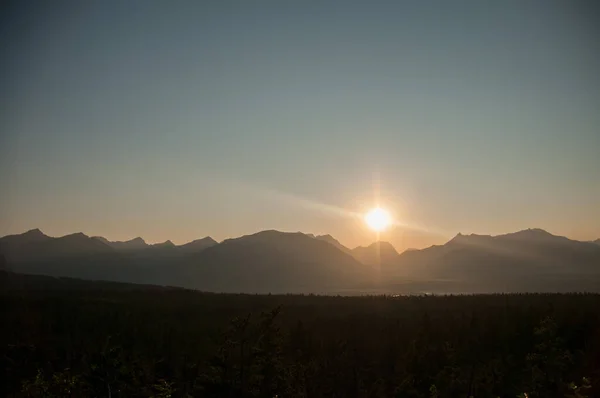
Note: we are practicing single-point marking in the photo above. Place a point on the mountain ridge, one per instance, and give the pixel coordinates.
(37, 234)
(132, 244)
(274, 261)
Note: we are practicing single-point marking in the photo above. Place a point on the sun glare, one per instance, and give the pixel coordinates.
(378, 219)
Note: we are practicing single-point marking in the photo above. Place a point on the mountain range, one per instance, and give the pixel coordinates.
(531, 260)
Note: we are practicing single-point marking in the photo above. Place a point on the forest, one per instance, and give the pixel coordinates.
(65, 337)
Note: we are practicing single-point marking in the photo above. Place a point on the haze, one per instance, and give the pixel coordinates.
(177, 121)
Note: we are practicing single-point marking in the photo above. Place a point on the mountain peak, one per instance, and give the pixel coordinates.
(132, 244)
(270, 234)
(383, 245)
(166, 243)
(460, 238)
(326, 236)
(34, 232)
(76, 235)
(376, 253)
(35, 235)
(535, 231)
(31, 236)
(531, 233)
(205, 239)
(199, 244)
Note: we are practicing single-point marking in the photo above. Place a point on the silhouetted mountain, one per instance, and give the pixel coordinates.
(167, 243)
(35, 245)
(155, 251)
(69, 245)
(272, 261)
(133, 244)
(31, 236)
(377, 253)
(331, 240)
(198, 245)
(527, 260)
(597, 241)
(277, 262)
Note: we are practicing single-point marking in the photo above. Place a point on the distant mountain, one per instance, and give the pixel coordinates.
(198, 245)
(529, 260)
(31, 236)
(166, 243)
(70, 245)
(133, 244)
(155, 251)
(331, 240)
(597, 241)
(377, 253)
(277, 262)
(34, 245)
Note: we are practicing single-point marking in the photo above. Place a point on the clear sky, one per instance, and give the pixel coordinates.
(176, 120)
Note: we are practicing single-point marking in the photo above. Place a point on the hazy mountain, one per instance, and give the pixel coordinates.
(198, 245)
(166, 243)
(76, 255)
(31, 236)
(272, 261)
(597, 241)
(154, 252)
(527, 260)
(278, 262)
(133, 244)
(331, 240)
(377, 253)
(35, 245)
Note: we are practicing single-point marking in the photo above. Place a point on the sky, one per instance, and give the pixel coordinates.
(178, 120)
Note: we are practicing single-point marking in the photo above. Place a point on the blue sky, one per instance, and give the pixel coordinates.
(176, 120)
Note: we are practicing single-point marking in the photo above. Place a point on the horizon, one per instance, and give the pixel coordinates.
(209, 119)
(399, 250)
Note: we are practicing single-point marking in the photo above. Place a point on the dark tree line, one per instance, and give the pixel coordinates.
(63, 338)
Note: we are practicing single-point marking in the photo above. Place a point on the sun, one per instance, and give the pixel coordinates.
(378, 219)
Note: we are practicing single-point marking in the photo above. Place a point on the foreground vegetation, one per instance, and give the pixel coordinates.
(75, 338)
